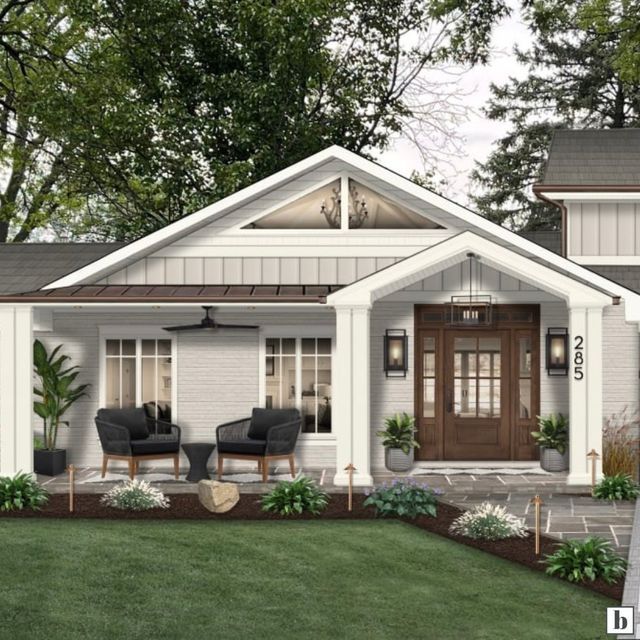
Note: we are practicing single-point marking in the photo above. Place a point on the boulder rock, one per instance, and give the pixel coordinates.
(218, 497)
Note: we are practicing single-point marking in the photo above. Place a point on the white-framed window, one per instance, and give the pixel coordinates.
(137, 369)
(297, 372)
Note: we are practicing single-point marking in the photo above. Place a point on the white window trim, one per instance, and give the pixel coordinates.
(128, 332)
(295, 331)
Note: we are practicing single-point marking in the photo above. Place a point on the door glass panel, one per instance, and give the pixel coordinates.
(489, 398)
(465, 356)
(524, 390)
(477, 370)
(524, 377)
(428, 377)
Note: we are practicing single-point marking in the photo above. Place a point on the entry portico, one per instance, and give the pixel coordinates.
(353, 305)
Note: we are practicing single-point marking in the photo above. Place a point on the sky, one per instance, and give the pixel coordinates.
(477, 133)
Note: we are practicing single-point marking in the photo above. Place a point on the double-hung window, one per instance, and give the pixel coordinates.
(297, 374)
(137, 372)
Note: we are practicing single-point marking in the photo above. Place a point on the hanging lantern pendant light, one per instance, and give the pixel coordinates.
(472, 310)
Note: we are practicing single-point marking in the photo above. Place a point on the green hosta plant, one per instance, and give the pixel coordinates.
(588, 559)
(404, 498)
(56, 390)
(399, 433)
(488, 522)
(294, 497)
(135, 495)
(618, 487)
(553, 432)
(21, 492)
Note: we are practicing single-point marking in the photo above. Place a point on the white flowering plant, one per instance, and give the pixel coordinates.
(488, 522)
(135, 495)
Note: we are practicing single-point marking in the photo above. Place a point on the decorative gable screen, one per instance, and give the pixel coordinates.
(326, 208)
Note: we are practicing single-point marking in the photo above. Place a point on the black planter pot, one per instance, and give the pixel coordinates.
(50, 462)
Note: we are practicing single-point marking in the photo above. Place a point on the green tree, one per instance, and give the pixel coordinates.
(573, 81)
(219, 94)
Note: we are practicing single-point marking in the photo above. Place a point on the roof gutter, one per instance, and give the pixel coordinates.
(537, 190)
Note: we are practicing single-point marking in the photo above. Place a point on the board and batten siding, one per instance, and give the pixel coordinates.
(603, 228)
(295, 271)
(217, 380)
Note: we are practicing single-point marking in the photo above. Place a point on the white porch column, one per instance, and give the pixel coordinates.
(585, 392)
(16, 382)
(351, 394)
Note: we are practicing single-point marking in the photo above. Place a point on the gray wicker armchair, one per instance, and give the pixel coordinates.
(130, 435)
(269, 434)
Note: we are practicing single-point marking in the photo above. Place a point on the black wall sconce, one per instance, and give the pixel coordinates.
(396, 353)
(557, 351)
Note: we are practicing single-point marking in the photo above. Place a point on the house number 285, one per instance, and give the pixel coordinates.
(578, 358)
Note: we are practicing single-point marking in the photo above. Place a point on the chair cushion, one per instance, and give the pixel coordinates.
(263, 419)
(135, 420)
(154, 444)
(249, 447)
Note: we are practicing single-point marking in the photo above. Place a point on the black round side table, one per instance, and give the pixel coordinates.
(198, 453)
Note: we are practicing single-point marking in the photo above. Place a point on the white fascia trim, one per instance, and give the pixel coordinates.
(591, 195)
(453, 251)
(621, 261)
(156, 239)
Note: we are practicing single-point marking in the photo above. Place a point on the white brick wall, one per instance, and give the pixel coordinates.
(217, 377)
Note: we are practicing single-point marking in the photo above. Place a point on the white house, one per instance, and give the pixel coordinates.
(332, 259)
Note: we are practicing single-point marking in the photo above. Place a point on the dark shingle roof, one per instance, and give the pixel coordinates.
(549, 239)
(628, 276)
(29, 266)
(594, 157)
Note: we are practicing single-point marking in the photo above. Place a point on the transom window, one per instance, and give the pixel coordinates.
(298, 375)
(138, 372)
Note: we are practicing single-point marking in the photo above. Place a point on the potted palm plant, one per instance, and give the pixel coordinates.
(56, 393)
(399, 442)
(552, 439)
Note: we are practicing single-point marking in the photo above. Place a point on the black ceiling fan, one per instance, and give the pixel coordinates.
(209, 323)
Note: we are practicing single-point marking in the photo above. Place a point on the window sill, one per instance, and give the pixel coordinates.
(317, 439)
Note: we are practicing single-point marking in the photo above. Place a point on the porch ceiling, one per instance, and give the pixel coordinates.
(87, 294)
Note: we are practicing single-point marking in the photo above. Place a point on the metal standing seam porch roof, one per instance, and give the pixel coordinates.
(90, 293)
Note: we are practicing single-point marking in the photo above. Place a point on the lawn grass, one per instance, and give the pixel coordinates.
(172, 580)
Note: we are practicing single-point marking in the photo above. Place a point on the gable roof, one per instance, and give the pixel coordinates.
(29, 266)
(158, 239)
(594, 157)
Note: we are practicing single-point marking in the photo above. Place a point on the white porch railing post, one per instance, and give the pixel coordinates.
(16, 382)
(585, 391)
(351, 394)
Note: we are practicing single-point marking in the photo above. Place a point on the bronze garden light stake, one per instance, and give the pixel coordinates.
(350, 469)
(72, 475)
(593, 456)
(537, 502)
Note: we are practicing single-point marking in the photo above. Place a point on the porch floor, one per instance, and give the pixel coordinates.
(567, 511)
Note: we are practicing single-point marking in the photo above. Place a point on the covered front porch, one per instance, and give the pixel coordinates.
(318, 349)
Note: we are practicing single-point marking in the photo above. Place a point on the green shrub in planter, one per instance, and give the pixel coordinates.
(294, 497)
(21, 492)
(404, 498)
(135, 495)
(588, 559)
(488, 522)
(617, 487)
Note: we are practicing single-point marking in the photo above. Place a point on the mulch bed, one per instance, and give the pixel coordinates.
(187, 507)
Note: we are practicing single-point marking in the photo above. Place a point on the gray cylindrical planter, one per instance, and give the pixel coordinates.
(552, 460)
(398, 460)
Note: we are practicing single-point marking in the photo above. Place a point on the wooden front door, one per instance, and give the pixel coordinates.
(477, 390)
(475, 425)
